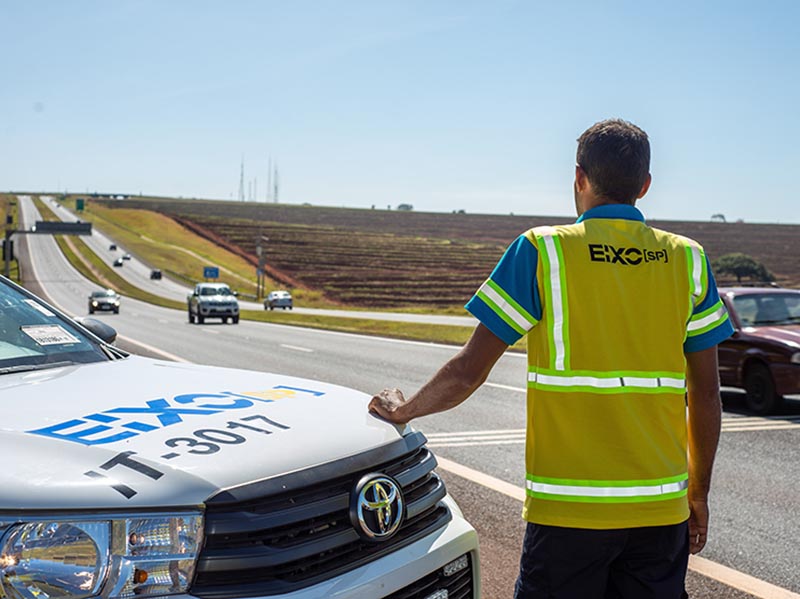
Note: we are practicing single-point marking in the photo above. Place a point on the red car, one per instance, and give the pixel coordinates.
(763, 355)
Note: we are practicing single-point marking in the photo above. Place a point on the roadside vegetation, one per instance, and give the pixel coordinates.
(96, 270)
(741, 265)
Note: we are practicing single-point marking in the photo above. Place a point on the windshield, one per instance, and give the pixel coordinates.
(108, 293)
(768, 309)
(215, 291)
(32, 336)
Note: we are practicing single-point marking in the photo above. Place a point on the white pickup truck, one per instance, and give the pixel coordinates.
(127, 477)
(212, 300)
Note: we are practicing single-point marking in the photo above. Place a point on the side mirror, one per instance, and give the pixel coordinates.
(236, 294)
(99, 328)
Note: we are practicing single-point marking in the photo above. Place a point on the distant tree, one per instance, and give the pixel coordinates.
(717, 218)
(741, 265)
(406, 207)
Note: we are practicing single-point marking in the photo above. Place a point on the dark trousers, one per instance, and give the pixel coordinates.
(629, 563)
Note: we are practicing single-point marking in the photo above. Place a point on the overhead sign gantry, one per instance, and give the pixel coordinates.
(42, 227)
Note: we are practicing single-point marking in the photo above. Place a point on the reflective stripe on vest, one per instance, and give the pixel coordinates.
(607, 491)
(698, 278)
(555, 292)
(707, 319)
(608, 382)
(506, 308)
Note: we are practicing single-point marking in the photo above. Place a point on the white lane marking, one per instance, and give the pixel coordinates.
(764, 418)
(485, 480)
(377, 338)
(517, 435)
(478, 443)
(477, 438)
(163, 321)
(296, 348)
(506, 387)
(505, 431)
(728, 576)
(160, 352)
(739, 580)
(769, 427)
(211, 331)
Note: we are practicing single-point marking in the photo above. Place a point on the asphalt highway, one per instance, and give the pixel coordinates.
(755, 523)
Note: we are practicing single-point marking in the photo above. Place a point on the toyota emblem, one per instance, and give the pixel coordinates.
(377, 507)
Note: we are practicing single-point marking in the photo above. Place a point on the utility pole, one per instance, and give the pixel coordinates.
(260, 274)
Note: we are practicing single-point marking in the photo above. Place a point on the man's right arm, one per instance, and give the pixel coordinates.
(705, 419)
(452, 384)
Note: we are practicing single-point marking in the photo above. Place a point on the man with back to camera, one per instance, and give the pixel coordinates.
(623, 321)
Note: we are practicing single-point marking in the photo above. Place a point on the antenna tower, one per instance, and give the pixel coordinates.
(275, 185)
(241, 182)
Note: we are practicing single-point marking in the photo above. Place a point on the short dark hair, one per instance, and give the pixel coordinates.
(615, 155)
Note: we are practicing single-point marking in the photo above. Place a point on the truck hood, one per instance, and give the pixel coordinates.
(146, 433)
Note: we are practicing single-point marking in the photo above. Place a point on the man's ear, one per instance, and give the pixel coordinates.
(645, 187)
(581, 180)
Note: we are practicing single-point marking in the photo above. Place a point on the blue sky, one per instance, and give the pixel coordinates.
(444, 105)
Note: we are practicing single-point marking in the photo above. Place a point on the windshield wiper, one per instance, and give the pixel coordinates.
(29, 367)
(113, 353)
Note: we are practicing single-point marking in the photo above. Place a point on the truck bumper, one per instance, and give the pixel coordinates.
(406, 568)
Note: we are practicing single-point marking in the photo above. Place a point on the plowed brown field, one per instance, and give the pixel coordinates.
(390, 259)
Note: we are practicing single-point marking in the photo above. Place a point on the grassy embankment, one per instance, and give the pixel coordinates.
(93, 268)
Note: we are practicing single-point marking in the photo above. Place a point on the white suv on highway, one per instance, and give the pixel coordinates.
(126, 477)
(212, 300)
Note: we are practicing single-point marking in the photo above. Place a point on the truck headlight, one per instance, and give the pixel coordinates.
(795, 359)
(118, 558)
(94, 304)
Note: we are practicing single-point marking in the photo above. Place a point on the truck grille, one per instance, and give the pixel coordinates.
(284, 534)
(440, 583)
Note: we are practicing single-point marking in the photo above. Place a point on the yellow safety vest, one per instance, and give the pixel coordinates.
(606, 442)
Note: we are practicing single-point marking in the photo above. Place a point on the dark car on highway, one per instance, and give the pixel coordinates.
(763, 355)
(105, 300)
